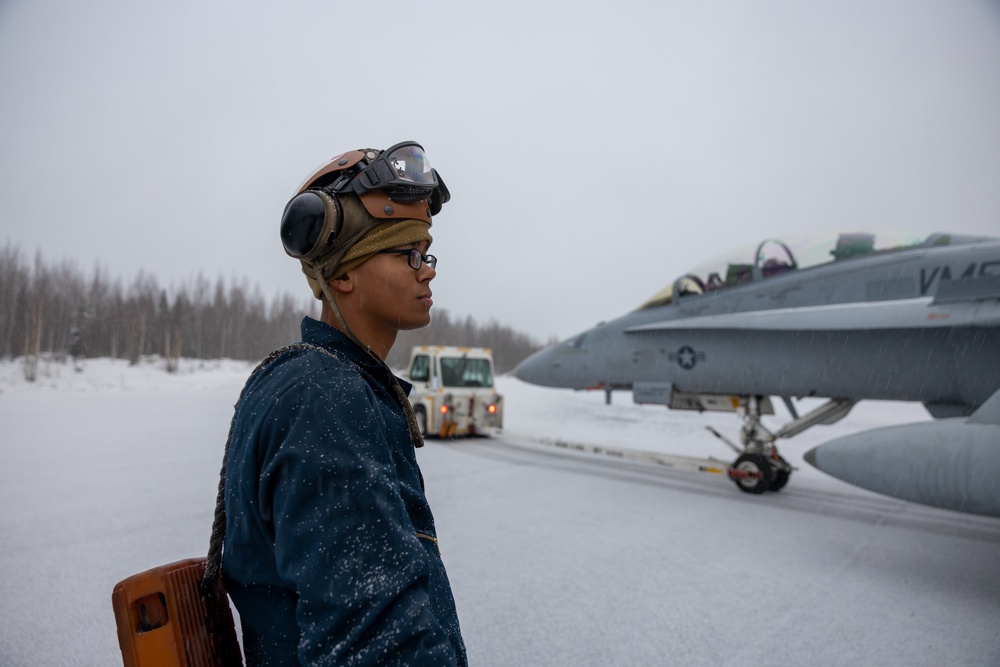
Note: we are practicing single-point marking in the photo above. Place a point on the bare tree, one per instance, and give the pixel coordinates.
(33, 307)
(14, 280)
(140, 309)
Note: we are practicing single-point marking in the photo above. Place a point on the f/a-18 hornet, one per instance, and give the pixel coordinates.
(897, 317)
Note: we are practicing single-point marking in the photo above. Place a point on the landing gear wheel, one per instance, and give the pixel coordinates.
(752, 473)
(782, 471)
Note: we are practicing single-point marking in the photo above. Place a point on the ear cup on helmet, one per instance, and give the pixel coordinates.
(310, 224)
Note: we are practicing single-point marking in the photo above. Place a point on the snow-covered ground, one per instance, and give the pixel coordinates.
(556, 557)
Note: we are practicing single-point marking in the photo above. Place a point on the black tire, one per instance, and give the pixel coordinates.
(781, 475)
(754, 473)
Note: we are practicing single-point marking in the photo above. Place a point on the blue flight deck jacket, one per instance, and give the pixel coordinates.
(330, 553)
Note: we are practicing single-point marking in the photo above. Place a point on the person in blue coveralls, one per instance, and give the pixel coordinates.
(330, 551)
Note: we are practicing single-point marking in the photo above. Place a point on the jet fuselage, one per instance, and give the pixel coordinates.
(918, 324)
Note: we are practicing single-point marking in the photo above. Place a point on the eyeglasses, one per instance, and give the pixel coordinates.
(415, 258)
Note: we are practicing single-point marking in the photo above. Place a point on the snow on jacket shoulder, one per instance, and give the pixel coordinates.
(330, 552)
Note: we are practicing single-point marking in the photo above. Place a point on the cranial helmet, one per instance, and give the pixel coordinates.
(351, 195)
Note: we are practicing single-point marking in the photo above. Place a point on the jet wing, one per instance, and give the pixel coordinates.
(919, 313)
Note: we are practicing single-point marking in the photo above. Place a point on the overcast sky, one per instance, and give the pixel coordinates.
(594, 150)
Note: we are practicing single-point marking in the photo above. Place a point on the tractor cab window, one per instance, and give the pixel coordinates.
(420, 370)
(465, 372)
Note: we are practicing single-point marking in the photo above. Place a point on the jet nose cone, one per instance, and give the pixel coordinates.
(544, 368)
(529, 368)
(553, 367)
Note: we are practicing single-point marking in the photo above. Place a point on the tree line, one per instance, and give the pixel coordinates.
(509, 346)
(55, 310)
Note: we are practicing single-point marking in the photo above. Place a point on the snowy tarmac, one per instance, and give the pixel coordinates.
(556, 557)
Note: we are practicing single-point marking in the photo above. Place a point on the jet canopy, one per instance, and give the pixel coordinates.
(773, 257)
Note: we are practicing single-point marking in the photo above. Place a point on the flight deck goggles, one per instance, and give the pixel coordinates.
(402, 172)
(397, 183)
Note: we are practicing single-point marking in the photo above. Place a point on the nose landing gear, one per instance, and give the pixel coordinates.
(758, 466)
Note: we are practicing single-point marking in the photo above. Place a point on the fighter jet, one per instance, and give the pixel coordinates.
(845, 317)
